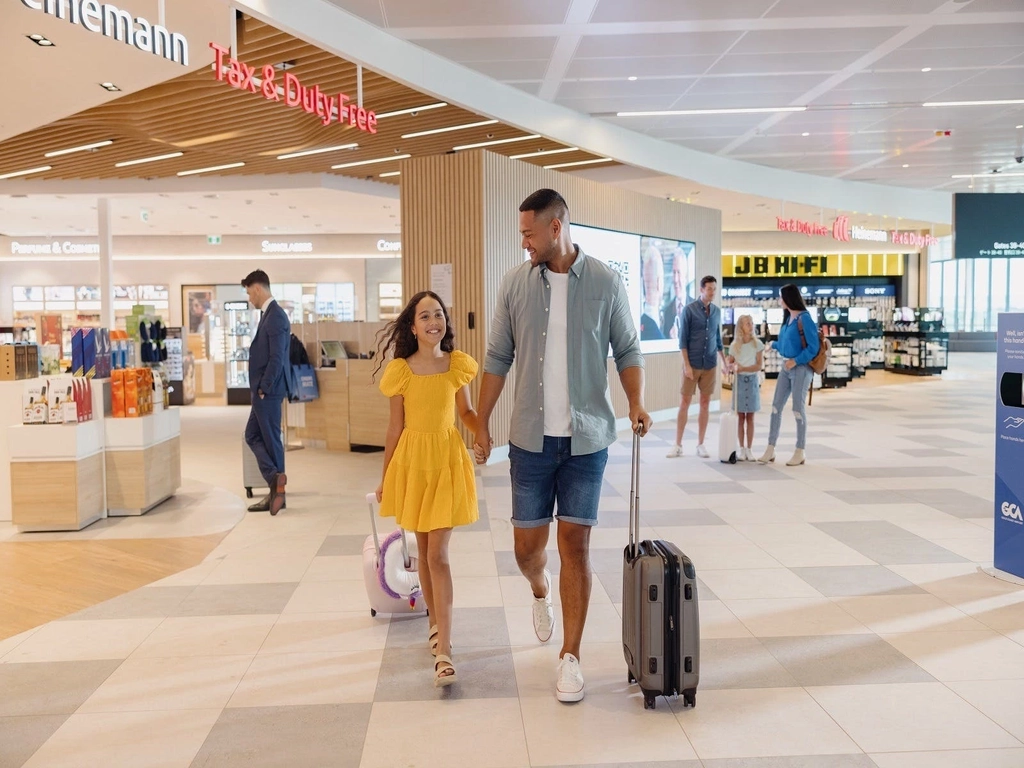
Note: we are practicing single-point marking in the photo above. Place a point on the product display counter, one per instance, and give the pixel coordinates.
(56, 474)
(350, 410)
(143, 461)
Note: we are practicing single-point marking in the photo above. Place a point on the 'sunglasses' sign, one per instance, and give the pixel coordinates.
(112, 22)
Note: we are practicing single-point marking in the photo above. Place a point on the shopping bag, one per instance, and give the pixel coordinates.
(303, 386)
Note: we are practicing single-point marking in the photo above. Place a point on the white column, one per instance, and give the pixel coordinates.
(106, 241)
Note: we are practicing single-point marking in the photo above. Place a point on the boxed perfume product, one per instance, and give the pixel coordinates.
(36, 407)
(103, 354)
(21, 366)
(131, 394)
(117, 393)
(89, 352)
(77, 353)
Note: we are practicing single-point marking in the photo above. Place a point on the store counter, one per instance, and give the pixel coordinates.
(350, 410)
(143, 461)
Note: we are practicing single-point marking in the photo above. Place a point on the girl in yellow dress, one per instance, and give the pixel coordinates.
(429, 483)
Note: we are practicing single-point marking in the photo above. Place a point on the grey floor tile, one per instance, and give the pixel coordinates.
(888, 544)
(471, 627)
(607, 560)
(928, 453)
(952, 501)
(282, 737)
(507, 565)
(613, 518)
(708, 489)
(935, 441)
(407, 674)
(236, 599)
(497, 481)
(738, 663)
(50, 688)
(868, 497)
(816, 450)
(652, 764)
(662, 518)
(146, 603)
(609, 492)
(483, 523)
(856, 581)
(21, 737)
(802, 761)
(704, 591)
(340, 546)
(868, 473)
(612, 583)
(750, 472)
(844, 660)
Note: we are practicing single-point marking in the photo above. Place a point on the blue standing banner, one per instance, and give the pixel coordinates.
(1009, 501)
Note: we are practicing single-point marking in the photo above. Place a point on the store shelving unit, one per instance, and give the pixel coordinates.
(240, 324)
(915, 343)
(839, 372)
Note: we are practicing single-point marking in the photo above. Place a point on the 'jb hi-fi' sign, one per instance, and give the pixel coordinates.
(831, 265)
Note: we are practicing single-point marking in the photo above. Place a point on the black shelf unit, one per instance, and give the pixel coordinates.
(840, 365)
(916, 353)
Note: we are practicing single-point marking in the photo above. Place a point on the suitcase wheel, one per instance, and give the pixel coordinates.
(732, 457)
(248, 493)
(373, 613)
(690, 698)
(650, 701)
(629, 678)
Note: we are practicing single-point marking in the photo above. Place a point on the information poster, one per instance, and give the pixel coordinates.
(1009, 496)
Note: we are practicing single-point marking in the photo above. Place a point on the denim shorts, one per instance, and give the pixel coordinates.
(554, 474)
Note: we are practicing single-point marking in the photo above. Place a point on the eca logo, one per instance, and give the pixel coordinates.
(1012, 513)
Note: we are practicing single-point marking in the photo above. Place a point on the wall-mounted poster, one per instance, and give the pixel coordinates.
(198, 302)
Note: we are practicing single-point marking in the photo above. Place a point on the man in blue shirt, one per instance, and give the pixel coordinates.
(555, 317)
(700, 342)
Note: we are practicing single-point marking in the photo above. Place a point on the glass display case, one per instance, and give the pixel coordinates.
(240, 322)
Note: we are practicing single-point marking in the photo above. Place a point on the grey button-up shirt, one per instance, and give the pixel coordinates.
(599, 316)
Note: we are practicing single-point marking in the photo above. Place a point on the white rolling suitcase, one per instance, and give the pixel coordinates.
(728, 425)
(251, 477)
(389, 571)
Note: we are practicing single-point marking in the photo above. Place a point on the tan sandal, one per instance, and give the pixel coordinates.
(442, 677)
(432, 639)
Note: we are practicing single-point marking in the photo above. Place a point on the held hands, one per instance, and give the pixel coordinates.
(482, 444)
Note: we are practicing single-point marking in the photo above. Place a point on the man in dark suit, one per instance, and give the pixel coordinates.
(268, 365)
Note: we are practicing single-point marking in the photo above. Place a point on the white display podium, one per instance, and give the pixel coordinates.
(143, 461)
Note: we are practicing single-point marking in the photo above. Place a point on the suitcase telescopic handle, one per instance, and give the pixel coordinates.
(371, 499)
(634, 493)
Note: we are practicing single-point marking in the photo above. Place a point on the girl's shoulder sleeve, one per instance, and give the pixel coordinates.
(396, 378)
(463, 368)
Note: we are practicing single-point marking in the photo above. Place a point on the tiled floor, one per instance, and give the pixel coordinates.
(844, 622)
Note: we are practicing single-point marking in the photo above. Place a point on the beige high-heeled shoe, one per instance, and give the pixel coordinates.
(769, 455)
(798, 458)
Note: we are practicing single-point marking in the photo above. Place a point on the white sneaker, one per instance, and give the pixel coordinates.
(748, 455)
(675, 453)
(570, 686)
(702, 451)
(544, 613)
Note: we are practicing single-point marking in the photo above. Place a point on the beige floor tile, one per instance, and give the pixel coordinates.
(801, 545)
(772, 721)
(481, 592)
(795, 617)
(729, 557)
(1000, 700)
(975, 758)
(329, 597)
(10, 643)
(83, 640)
(326, 633)
(602, 729)
(485, 733)
(907, 717)
(907, 613)
(760, 583)
(470, 565)
(206, 636)
(190, 577)
(343, 568)
(197, 682)
(135, 739)
(603, 665)
(717, 621)
(297, 679)
(952, 656)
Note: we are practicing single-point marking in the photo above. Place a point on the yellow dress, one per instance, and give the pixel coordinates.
(430, 482)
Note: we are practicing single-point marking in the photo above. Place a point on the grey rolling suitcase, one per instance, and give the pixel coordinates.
(660, 622)
(251, 476)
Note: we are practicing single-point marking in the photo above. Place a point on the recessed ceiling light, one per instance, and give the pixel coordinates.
(40, 40)
(109, 87)
(83, 148)
(741, 111)
(906, 165)
(390, 173)
(369, 162)
(153, 159)
(580, 162)
(210, 169)
(926, 69)
(1019, 127)
(631, 78)
(545, 152)
(987, 103)
(497, 142)
(449, 128)
(412, 110)
(30, 171)
(806, 133)
(307, 152)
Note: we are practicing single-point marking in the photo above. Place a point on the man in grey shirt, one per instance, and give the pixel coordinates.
(556, 317)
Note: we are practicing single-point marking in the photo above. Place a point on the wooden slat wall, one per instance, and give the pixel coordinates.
(463, 209)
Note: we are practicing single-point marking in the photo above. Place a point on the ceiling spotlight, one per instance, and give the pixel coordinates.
(631, 78)
(40, 41)
(284, 66)
(109, 87)
(1019, 127)
(926, 69)
(906, 165)
(806, 133)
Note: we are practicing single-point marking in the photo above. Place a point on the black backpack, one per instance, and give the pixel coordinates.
(297, 352)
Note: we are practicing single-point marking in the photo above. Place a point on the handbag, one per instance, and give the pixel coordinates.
(303, 387)
(819, 362)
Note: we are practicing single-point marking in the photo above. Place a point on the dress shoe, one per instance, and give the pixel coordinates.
(277, 497)
(261, 506)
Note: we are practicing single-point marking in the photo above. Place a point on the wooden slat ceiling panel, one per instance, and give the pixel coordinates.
(215, 124)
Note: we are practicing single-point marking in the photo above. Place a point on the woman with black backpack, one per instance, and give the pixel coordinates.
(797, 345)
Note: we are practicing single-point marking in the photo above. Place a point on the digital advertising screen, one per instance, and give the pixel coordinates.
(659, 276)
(988, 225)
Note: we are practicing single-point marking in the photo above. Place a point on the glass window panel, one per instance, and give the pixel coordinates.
(949, 270)
(1016, 285)
(999, 284)
(980, 289)
(935, 284)
(346, 301)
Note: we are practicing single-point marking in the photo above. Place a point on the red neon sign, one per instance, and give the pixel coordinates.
(841, 229)
(294, 94)
(802, 227)
(913, 238)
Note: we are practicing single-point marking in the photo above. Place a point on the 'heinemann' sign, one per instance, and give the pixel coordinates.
(112, 22)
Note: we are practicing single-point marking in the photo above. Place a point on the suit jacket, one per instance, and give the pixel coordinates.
(268, 353)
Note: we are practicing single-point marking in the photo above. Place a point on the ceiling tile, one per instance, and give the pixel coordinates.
(598, 105)
(991, 6)
(799, 8)
(678, 10)
(623, 89)
(491, 48)
(655, 66)
(365, 9)
(755, 84)
(970, 36)
(683, 43)
(457, 13)
(941, 59)
(511, 70)
(790, 41)
(769, 63)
